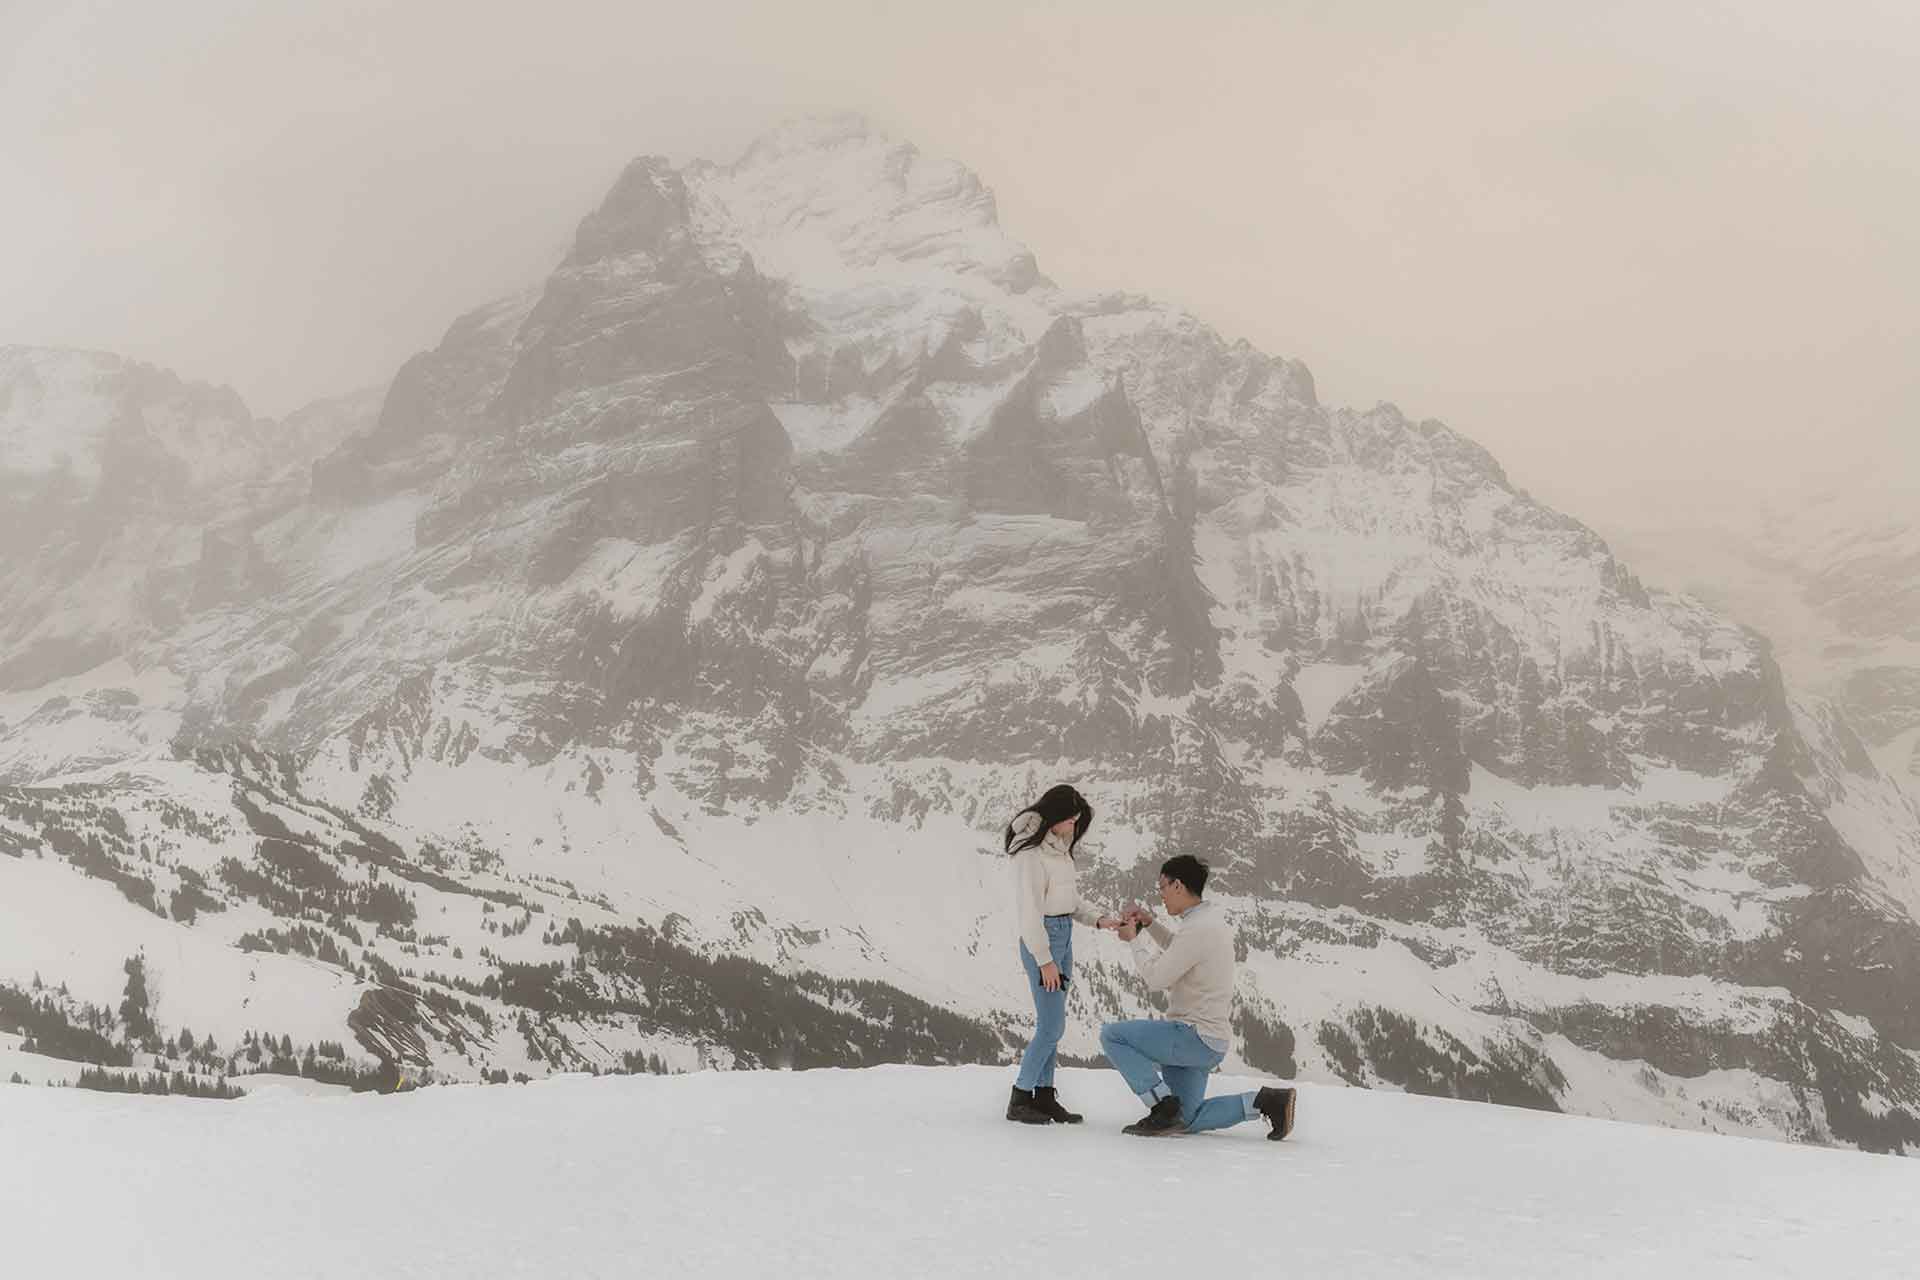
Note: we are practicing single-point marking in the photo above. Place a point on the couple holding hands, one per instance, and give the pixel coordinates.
(1165, 1061)
(1130, 921)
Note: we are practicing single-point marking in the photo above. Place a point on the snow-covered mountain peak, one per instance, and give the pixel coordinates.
(1831, 574)
(825, 198)
(646, 203)
(812, 131)
(82, 414)
(54, 405)
(132, 490)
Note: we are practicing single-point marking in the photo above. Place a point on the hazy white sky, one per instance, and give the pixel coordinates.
(1639, 250)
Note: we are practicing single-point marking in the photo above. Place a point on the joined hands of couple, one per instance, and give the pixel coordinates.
(1128, 923)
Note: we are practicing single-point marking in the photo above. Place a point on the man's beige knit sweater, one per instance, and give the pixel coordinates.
(1194, 966)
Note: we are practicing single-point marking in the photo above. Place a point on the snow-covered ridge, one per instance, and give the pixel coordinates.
(67, 412)
(830, 198)
(1829, 575)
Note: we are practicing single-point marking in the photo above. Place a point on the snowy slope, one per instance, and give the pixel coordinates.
(909, 1171)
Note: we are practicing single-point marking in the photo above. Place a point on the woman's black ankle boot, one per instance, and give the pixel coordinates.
(1047, 1102)
(1021, 1107)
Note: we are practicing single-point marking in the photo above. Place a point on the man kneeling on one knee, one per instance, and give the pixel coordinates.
(1165, 1061)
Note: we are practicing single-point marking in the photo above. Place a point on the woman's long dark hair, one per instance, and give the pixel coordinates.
(1057, 805)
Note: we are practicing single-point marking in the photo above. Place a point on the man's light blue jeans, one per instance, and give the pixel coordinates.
(1049, 1007)
(1158, 1058)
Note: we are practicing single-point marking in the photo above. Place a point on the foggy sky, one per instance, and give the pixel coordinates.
(1642, 255)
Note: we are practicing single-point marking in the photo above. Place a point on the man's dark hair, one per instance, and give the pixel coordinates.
(1188, 870)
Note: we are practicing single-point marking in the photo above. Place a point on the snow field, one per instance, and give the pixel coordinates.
(897, 1171)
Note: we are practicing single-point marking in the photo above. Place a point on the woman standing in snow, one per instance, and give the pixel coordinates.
(1041, 840)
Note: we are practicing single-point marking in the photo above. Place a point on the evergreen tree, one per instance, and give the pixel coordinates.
(1453, 823)
(134, 1013)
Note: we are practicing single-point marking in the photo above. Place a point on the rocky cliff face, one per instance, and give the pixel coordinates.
(97, 455)
(133, 500)
(1829, 573)
(734, 587)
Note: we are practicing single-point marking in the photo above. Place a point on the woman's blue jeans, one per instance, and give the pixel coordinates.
(1049, 1007)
